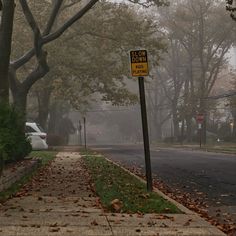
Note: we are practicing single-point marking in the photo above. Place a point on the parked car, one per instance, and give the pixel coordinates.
(36, 135)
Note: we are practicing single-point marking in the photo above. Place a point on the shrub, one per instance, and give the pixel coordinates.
(13, 142)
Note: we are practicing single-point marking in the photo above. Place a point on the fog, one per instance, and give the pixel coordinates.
(191, 60)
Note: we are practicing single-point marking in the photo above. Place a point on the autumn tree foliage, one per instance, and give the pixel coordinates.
(43, 34)
(92, 63)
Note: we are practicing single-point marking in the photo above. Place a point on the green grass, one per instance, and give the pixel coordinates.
(112, 182)
(44, 156)
(222, 149)
(229, 148)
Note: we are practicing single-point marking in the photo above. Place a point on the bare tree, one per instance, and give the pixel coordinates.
(195, 26)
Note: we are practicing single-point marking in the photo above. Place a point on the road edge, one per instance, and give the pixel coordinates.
(180, 206)
(184, 209)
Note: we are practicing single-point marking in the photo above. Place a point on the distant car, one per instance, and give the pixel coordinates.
(36, 135)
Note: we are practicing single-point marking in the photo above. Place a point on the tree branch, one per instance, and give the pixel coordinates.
(27, 56)
(73, 2)
(70, 22)
(34, 26)
(41, 70)
(53, 16)
(47, 37)
(14, 82)
(149, 3)
(41, 56)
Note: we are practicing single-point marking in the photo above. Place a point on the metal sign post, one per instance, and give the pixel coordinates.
(139, 68)
(200, 134)
(200, 120)
(145, 133)
(80, 135)
(85, 136)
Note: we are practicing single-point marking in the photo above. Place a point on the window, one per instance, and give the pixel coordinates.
(29, 129)
(40, 128)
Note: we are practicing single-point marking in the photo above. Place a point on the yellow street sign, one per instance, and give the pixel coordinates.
(139, 63)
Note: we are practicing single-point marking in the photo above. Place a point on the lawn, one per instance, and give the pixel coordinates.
(112, 182)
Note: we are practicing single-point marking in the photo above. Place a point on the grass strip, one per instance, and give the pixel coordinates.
(217, 148)
(112, 182)
(45, 158)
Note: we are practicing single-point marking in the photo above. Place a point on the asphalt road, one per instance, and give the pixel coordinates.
(213, 174)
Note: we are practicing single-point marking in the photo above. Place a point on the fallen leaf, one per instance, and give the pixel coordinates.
(54, 230)
(53, 225)
(116, 205)
(187, 223)
(94, 222)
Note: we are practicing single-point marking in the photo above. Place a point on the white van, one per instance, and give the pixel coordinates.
(36, 135)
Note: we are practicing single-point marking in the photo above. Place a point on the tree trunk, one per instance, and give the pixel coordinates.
(20, 102)
(157, 135)
(183, 131)
(234, 129)
(175, 119)
(6, 29)
(43, 107)
(54, 119)
(189, 128)
(176, 126)
(204, 124)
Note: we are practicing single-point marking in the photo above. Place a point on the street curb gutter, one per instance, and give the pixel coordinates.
(177, 204)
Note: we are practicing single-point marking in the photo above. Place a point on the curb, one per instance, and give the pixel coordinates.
(182, 208)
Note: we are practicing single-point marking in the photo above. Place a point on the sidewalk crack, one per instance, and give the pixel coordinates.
(109, 225)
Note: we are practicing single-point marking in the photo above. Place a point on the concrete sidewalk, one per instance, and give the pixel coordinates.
(61, 202)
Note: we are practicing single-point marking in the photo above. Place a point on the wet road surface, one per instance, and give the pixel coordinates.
(214, 174)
